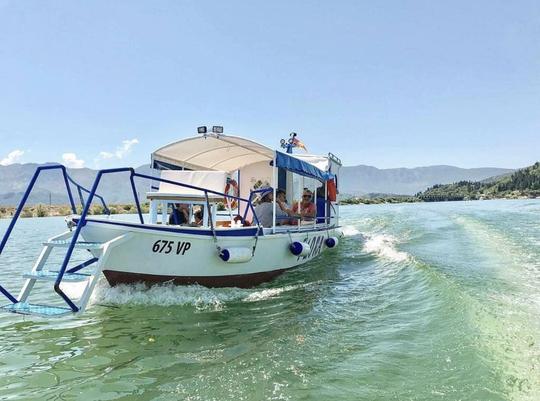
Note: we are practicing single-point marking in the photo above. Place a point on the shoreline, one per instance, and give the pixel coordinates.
(415, 199)
(40, 210)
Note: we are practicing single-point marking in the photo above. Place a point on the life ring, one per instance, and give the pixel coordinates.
(231, 184)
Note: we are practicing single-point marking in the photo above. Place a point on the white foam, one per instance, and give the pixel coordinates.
(165, 295)
(349, 231)
(384, 246)
(270, 293)
(170, 294)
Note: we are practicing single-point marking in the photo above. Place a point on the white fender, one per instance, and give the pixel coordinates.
(236, 254)
(298, 248)
(331, 242)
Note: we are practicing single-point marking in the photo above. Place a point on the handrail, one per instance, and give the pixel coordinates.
(80, 187)
(86, 208)
(27, 194)
(22, 203)
(250, 200)
(181, 184)
(250, 204)
(82, 219)
(21, 206)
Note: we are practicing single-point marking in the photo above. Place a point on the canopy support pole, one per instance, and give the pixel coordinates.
(274, 183)
(326, 219)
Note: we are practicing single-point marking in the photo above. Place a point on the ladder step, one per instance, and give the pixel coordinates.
(25, 308)
(49, 275)
(79, 244)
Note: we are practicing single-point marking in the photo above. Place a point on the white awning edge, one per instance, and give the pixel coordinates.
(213, 152)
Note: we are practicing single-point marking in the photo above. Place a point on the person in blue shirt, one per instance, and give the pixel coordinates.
(321, 206)
(179, 215)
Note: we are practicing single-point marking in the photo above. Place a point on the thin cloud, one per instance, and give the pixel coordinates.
(105, 155)
(71, 161)
(120, 151)
(12, 157)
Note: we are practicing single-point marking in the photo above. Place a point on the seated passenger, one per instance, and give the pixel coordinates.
(179, 215)
(284, 209)
(306, 208)
(265, 209)
(198, 218)
(322, 207)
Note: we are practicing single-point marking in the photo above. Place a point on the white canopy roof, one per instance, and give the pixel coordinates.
(213, 152)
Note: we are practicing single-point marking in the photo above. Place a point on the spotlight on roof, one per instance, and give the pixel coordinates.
(201, 130)
(217, 129)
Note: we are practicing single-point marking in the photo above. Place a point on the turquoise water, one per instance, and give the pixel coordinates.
(420, 302)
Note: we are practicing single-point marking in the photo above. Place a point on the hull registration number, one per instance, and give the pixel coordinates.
(164, 246)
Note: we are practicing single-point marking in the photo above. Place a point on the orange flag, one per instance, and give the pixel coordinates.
(299, 144)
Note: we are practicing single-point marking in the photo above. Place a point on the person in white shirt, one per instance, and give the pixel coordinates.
(265, 209)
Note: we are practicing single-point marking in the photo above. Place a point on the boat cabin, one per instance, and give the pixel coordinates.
(218, 180)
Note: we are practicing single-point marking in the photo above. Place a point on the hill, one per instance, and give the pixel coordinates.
(361, 180)
(355, 180)
(50, 187)
(524, 183)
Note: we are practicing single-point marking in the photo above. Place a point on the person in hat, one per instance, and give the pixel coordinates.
(265, 208)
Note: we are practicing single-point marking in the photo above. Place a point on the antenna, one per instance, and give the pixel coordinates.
(290, 143)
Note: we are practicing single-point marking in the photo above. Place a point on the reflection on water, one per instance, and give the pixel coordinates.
(420, 302)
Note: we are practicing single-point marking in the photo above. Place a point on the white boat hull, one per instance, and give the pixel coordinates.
(186, 255)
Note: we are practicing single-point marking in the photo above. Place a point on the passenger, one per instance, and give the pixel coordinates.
(322, 207)
(265, 209)
(179, 215)
(306, 207)
(198, 218)
(282, 199)
(239, 220)
(284, 210)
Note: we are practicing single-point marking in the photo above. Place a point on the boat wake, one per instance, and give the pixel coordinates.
(200, 297)
(384, 246)
(350, 231)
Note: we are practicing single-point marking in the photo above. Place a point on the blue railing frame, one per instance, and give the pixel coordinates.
(22, 203)
(250, 202)
(21, 206)
(80, 190)
(86, 207)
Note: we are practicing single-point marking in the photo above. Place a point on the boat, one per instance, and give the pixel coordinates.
(213, 220)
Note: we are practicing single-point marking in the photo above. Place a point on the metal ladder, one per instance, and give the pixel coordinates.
(100, 251)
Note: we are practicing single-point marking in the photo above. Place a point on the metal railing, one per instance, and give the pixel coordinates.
(67, 180)
(86, 208)
(27, 194)
(81, 189)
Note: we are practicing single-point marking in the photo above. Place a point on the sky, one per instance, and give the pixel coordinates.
(389, 83)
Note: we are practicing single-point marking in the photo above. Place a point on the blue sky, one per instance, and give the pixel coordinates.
(388, 84)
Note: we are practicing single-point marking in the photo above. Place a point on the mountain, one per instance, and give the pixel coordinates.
(115, 188)
(354, 180)
(522, 183)
(361, 180)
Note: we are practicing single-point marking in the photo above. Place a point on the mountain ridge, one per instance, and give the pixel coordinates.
(362, 179)
(354, 180)
(524, 182)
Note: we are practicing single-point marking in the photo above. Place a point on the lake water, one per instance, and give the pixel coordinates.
(420, 302)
